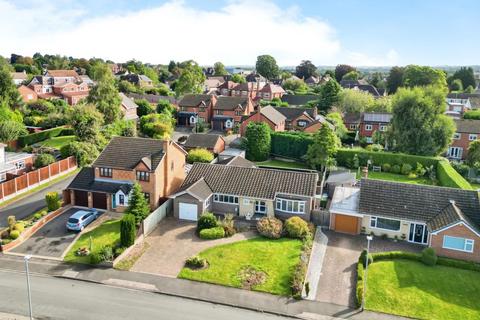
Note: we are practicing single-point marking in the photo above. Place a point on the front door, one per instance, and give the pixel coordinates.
(418, 233)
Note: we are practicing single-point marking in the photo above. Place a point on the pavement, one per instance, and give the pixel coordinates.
(338, 279)
(31, 203)
(54, 298)
(172, 242)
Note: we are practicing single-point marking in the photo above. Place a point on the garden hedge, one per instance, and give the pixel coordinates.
(290, 144)
(43, 135)
(449, 177)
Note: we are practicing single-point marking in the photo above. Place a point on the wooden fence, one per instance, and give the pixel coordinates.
(32, 179)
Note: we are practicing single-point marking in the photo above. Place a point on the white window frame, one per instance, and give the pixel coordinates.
(246, 202)
(455, 152)
(472, 137)
(368, 127)
(208, 201)
(466, 241)
(290, 203)
(20, 165)
(383, 128)
(457, 136)
(353, 127)
(259, 204)
(369, 139)
(374, 223)
(220, 198)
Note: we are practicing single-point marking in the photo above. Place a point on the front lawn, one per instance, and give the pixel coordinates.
(388, 176)
(57, 142)
(412, 289)
(282, 164)
(106, 234)
(275, 260)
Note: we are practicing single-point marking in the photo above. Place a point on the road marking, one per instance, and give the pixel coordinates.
(131, 284)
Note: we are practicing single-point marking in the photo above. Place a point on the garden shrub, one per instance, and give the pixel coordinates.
(37, 216)
(11, 220)
(429, 256)
(40, 136)
(396, 169)
(43, 160)
(118, 251)
(228, 225)
(461, 264)
(386, 167)
(212, 233)
(270, 227)
(406, 169)
(298, 279)
(53, 201)
(106, 253)
(96, 258)
(359, 288)
(449, 177)
(200, 155)
(390, 255)
(296, 227)
(290, 144)
(206, 221)
(43, 213)
(196, 262)
(127, 230)
(362, 258)
(412, 175)
(14, 234)
(19, 226)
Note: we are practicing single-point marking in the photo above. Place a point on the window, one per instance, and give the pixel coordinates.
(202, 109)
(121, 199)
(3, 176)
(207, 202)
(20, 165)
(218, 112)
(368, 127)
(290, 206)
(246, 202)
(383, 223)
(457, 136)
(260, 207)
(143, 176)
(146, 195)
(353, 127)
(106, 172)
(472, 137)
(455, 152)
(460, 244)
(369, 140)
(383, 128)
(302, 123)
(225, 198)
(238, 112)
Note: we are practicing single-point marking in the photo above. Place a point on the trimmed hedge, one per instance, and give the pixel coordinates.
(290, 144)
(212, 233)
(43, 135)
(449, 177)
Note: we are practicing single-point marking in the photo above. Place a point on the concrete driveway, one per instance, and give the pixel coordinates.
(51, 240)
(338, 278)
(172, 243)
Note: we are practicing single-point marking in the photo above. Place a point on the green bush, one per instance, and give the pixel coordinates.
(228, 225)
(206, 221)
(270, 227)
(119, 250)
(429, 257)
(290, 144)
(212, 233)
(296, 227)
(96, 258)
(40, 136)
(390, 255)
(200, 155)
(127, 230)
(359, 288)
(14, 234)
(37, 216)
(449, 177)
(53, 201)
(298, 279)
(363, 259)
(461, 264)
(19, 226)
(196, 262)
(406, 169)
(396, 169)
(43, 160)
(386, 167)
(43, 213)
(106, 253)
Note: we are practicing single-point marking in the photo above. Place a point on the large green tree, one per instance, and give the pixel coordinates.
(473, 156)
(336, 119)
(416, 76)
(157, 125)
(137, 204)
(329, 95)
(321, 153)
(343, 69)
(86, 122)
(191, 80)
(104, 95)
(465, 75)
(267, 66)
(8, 90)
(395, 79)
(11, 130)
(306, 69)
(355, 101)
(297, 86)
(419, 125)
(219, 69)
(238, 78)
(258, 141)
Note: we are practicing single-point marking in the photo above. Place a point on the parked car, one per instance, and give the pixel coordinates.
(80, 219)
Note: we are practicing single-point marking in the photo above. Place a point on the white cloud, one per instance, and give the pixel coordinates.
(360, 59)
(234, 34)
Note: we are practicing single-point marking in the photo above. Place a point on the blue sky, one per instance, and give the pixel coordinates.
(367, 32)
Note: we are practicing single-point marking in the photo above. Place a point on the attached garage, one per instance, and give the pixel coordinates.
(188, 211)
(346, 224)
(81, 198)
(99, 200)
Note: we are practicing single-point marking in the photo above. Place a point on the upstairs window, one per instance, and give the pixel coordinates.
(457, 136)
(472, 137)
(368, 127)
(143, 176)
(106, 172)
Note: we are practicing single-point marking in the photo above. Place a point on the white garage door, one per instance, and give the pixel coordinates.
(188, 211)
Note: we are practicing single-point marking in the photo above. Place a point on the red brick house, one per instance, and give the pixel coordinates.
(373, 121)
(316, 125)
(352, 121)
(247, 89)
(225, 89)
(195, 107)
(212, 142)
(158, 166)
(228, 112)
(271, 91)
(467, 131)
(28, 95)
(298, 118)
(269, 115)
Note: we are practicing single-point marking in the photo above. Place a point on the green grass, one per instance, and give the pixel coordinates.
(128, 262)
(57, 142)
(388, 176)
(106, 234)
(277, 258)
(283, 164)
(412, 289)
(475, 186)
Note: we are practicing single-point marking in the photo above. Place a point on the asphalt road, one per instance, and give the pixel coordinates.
(55, 298)
(51, 240)
(23, 208)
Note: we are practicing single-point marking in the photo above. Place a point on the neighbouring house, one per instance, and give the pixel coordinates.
(361, 85)
(298, 100)
(193, 108)
(255, 77)
(445, 219)
(115, 67)
(236, 161)
(459, 103)
(339, 178)
(245, 192)
(211, 85)
(228, 112)
(140, 80)
(129, 108)
(298, 118)
(373, 121)
(269, 115)
(153, 99)
(19, 77)
(315, 125)
(86, 79)
(158, 166)
(352, 121)
(28, 95)
(466, 132)
(247, 89)
(13, 164)
(225, 89)
(271, 91)
(312, 80)
(72, 93)
(212, 142)
(229, 153)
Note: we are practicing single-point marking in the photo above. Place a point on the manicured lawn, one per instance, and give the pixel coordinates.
(412, 289)
(106, 234)
(475, 186)
(276, 258)
(57, 142)
(283, 164)
(398, 178)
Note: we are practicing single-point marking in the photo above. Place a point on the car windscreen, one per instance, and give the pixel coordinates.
(73, 220)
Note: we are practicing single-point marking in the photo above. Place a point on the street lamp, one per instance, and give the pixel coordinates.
(26, 259)
(369, 238)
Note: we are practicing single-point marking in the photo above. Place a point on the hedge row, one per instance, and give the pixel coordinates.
(43, 135)
(449, 177)
(290, 144)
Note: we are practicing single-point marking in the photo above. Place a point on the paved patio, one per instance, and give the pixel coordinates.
(338, 278)
(172, 243)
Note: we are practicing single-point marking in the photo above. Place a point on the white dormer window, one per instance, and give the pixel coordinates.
(456, 136)
(472, 137)
(383, 128)
(368, 127)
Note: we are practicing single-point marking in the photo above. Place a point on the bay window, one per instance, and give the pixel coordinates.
(383, 223)
(225, 198)
(290, 206)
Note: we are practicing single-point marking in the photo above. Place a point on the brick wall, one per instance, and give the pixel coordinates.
(460, 231)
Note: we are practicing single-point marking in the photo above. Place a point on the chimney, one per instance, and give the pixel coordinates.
(2, 153)
(365, 172)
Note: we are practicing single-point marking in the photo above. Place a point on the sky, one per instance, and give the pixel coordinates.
(327, 32)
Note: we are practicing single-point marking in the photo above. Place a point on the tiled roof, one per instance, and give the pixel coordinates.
(247, 86)
(352, 118)
(377, 117)
(85, 180)
(273, 115)
(298, 100)
(198, 188)
(152, 98)
(253, 182)
(237, 161)
(467, 125)
(127, 102)
(462, 95)
(202, 140)
(414, 202)
(293, 113)
(227, 85)
(273, 88)
(19, 75)
(230, 103)
(193, 100)
(127, 152)
(63, 73)
(450, 215)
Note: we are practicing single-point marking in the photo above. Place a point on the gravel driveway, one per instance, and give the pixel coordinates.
(338, 278)
(172, 243)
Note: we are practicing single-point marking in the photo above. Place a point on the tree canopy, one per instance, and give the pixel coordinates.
(86, 122)
(238, 78)
(466, 77)
(395, 79)
(157, 125)
(219, 69)
(191, 79)
(8, 90)
(329, 95)
(417, 76)
(306, 69)
(321, 153)
(473, 156)
(258, 141)
(352, 75)
(341, 70)
(267, 66)
(137, 204)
